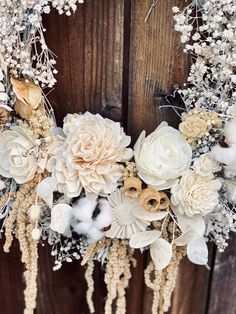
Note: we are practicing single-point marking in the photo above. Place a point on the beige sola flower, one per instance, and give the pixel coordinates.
(129, 217)
(89, 156)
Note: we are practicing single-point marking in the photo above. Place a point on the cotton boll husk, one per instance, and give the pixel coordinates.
(82, 227)
(94, 235)
(230, 132)
(104, 219)
(83, 209)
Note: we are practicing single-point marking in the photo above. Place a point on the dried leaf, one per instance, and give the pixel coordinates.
(150, 216)
(28, 96)
(45, 190)
(142, 239)
(186, 237)
(161, 253)
(197, 251)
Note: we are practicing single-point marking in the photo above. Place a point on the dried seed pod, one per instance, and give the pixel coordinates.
(150, 199)
(164, 201)
(5, 114)
(132, 187)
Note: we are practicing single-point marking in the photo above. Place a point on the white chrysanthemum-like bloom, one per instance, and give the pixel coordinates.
(206, 165)
(90, 155)
(162, 157)
(129, 217)
(18, 156)
(195, 194)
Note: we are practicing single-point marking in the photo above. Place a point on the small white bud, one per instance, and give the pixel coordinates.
(34, 212)
(36, 234)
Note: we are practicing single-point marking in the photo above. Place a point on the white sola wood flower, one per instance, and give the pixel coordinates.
(195, 194)
(90, 155)
(162, 157)
(19, 156)
(129, 217)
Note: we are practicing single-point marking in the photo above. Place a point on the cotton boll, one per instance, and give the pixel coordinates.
(230, 186)
(83, 209)
(230, 132)
(225, 155)
(94, 235)
(82, 227)
(104, 219)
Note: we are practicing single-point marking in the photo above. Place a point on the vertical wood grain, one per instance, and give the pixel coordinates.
(222, 295)
(157, 62)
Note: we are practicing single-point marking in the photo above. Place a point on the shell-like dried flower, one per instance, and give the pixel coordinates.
(150, 199)
(132, 187)
(164, 202)
(5, 114)
(28, 97)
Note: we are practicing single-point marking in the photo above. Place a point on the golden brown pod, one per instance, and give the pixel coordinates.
(150, 199)
(132, 187)
(5, 114)
(165, 201)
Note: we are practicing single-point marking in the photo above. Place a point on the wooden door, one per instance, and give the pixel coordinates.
(111, 62)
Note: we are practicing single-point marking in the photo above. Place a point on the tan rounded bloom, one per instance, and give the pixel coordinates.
(195, 194)
(18, 156)
(28, 97)
(196, 123)
(193, 127)
(90, 155)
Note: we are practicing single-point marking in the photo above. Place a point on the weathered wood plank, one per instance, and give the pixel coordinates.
(156, 63)
(12, 286)
(222, 296)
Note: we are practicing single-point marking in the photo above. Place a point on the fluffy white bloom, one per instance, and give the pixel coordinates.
(92, 218)
(162, 157)
(90, 155)
(206, 165)
(195, 194)
(227, 155)
(18, 156)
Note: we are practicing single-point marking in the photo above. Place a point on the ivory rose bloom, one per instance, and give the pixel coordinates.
(89, 156)
(206, 165)
(162, 157)
(17, 159)
(195, 194)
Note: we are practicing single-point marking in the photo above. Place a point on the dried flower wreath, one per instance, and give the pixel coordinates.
(91, 197)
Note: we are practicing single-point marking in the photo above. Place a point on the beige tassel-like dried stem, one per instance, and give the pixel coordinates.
(117, 275)
(90, 282)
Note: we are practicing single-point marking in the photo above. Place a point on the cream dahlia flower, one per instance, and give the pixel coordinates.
(195, 194)
(89, 156)
(162, 157)
(19, 156)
